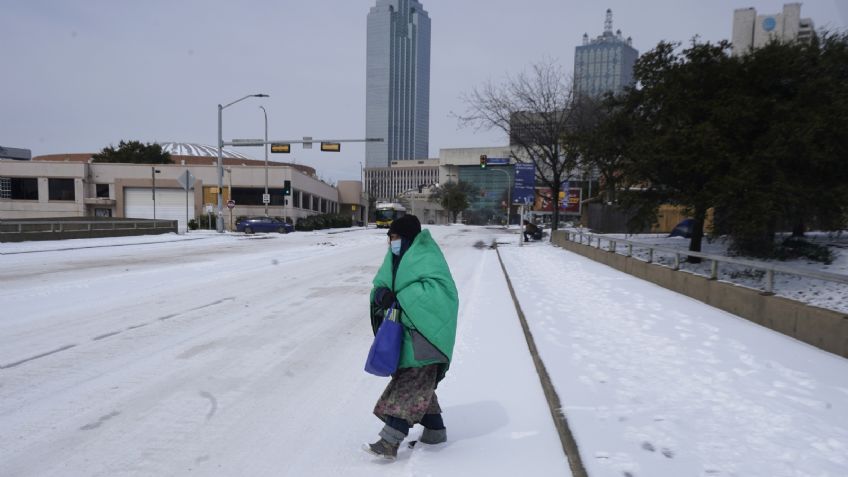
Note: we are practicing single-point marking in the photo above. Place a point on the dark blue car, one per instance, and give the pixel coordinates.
(251, 225)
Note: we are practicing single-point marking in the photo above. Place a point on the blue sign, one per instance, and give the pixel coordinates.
(497, 161)
(524, 190)
(769, 24)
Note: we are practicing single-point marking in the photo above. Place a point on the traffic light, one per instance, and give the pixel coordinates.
(483, 161)
(331, 147)
(281, 148)
(286, 187)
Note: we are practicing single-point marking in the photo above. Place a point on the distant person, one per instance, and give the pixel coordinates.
(415, 278)
(531, 230)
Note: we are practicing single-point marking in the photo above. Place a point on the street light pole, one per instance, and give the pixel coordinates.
(219, 219)
(153, 172)
(265, 113)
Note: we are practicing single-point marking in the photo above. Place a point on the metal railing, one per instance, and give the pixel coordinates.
(768, 268)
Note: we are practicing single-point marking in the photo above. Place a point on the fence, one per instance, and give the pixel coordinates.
(715, 260)
(824, 328)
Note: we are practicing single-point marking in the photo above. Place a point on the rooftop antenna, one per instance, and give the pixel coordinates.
(608, 23)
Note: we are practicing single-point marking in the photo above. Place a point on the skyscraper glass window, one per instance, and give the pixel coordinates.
(397, 103)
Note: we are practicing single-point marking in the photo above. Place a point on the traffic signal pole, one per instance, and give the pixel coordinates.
(327, 145)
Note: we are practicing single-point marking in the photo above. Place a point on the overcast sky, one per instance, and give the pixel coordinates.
(79, 75)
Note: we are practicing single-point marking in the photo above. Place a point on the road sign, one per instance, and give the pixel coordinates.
(524, 187)
(497, 161)
(281, 148)
(307, 142)
(248, 142)
(231, 203)
(266, 198)
(186, 180)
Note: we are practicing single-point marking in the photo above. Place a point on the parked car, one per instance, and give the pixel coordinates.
(251, 225)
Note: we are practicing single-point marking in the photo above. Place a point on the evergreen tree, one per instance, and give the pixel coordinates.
(678, 154)
(133, 152)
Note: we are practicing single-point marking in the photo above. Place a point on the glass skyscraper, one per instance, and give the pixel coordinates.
(397, 103)
(604, 63)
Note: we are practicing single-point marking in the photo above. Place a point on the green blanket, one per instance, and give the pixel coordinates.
(428, 299)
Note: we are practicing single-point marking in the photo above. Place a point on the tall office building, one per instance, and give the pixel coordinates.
(604, 63)
(753, 31)
(397, 103)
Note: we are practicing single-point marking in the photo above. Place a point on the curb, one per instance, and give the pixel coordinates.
(566, 437)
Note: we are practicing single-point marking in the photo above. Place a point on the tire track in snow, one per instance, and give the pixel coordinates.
(114, 333)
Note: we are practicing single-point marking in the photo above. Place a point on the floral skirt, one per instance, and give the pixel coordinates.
(410, 394)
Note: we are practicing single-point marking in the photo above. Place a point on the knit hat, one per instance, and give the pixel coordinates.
(407, 227)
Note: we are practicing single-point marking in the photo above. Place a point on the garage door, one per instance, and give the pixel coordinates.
(170, 204)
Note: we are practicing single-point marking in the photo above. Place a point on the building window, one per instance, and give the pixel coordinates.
(102, 191)
(19, 188)
(102, 212)
(296, 198)
(61, 189)
(253, 196)
(307, 201)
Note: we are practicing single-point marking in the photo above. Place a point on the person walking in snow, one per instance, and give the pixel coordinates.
(415, 278)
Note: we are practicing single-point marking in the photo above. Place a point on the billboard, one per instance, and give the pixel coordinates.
(569, 203)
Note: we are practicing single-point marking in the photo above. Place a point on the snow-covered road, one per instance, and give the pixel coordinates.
(233, 355)
(230, 355)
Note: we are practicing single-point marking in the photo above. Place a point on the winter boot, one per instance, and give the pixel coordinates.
(383, 448)
(434, 436)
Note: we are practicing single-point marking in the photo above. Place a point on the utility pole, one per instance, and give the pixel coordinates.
(265, 197)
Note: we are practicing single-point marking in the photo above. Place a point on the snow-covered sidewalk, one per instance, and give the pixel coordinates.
(656, 384)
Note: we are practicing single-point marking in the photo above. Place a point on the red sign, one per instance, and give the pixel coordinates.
(231, 203)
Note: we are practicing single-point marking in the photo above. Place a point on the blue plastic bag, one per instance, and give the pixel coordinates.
(384, 355)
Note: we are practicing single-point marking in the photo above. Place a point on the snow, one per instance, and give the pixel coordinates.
(821, 293)
(222, 354)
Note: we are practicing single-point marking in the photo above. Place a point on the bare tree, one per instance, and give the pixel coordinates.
(535, 111)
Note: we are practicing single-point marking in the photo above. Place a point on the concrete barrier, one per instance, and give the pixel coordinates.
(20, 230)
(822, 328)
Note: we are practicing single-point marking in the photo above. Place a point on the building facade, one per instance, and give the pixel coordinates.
(389, 183)
(397, 104)
(604, 64)
(70, 185)
(754, 31)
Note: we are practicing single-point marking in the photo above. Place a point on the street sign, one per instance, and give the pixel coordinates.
(281, 148)
(248, 142)
(186, 180)
(231, 203)
(307, 142)
(331, 146)
(524, 187)
(266, 198)
(497, 161)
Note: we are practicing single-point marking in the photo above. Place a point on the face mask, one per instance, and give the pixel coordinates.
(395, 246)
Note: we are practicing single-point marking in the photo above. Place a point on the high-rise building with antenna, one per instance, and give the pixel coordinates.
(604, 64)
